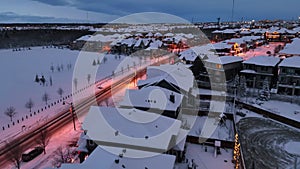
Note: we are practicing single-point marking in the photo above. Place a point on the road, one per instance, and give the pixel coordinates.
(263, 143)
(63, 118)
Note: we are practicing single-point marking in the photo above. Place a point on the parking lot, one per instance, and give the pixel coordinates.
(264, 143)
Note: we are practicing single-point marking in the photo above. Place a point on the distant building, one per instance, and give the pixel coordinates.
(260, 68)
(289, 76)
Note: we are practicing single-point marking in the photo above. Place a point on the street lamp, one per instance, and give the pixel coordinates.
(72, 111)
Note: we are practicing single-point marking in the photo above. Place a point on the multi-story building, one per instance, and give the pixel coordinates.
(219, 71)
(289, 76)
(259, 69)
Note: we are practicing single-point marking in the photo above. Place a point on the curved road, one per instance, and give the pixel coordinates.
(263, 143)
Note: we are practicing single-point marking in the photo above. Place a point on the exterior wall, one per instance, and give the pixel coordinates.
(262, 73)
(289, 81)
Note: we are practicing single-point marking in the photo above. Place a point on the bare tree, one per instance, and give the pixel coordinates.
(10, 112)
(61, 156)
(14, 154)
(75, 81)
(106, 102)
(60, 91)
(43, 140)
(46, 98)
(29, 104)
(52, 68)
(89, 78)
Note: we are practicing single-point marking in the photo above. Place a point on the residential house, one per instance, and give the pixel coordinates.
(219, 71)
(154, 99)
(259, 69)
(115, 158)
(291, 49)
(289, 76)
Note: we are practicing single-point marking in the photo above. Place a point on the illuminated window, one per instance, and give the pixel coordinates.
(219, 66)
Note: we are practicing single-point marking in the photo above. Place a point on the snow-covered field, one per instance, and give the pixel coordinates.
(18, 72)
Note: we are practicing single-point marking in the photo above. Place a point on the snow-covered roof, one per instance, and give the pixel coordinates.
(222, 45)
(157, 34)
(176, 74)
(131, 128)
(229, 31)
(243, 39)
(169, 34)
(105, 157)
(263, 61)
(197, 51)
(188, 54)
(152, 97)
(291, 62)
(155, 45)
(84, 38)
(149, 34)
(248, 71)
(224, 59)
(129, 41)
(292, 48)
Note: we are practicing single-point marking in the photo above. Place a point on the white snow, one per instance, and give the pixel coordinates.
(152, 97)
(103, 158)
(293, 147)
(18, 70)
(292, 48)
(263, 61)
(130, 127)
(207, 160)
(224, 59)
(293, 62)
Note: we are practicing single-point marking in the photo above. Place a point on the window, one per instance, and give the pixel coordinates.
(264, 68)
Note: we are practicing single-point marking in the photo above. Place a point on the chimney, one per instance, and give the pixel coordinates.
(172, 98)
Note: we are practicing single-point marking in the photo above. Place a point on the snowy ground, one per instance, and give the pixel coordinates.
(285, 109)
(267, 143)
(217, 131)
(261, 50)
(207, 160)
(18, 71)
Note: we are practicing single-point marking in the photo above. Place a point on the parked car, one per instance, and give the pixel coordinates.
(32, 153)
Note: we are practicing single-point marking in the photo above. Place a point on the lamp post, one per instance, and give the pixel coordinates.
(71, 109)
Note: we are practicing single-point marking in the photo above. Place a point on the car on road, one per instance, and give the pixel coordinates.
(30, 154)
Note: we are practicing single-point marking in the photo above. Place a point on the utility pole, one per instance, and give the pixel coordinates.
(232, 11)
(72, 111)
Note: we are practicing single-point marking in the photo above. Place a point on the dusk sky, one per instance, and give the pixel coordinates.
(109, 10)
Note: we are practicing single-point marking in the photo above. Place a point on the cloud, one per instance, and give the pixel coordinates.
(55, 2)
(207, 10)
(11, 17)
(187, 10)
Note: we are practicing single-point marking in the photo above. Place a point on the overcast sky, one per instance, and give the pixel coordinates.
(109, 10)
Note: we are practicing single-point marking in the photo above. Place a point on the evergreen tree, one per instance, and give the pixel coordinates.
(37, 79)
(243, 86)
(94, 63)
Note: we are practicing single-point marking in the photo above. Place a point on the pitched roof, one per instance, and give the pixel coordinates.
(292, 48)
(224, 59)
(291, 62)
(152, 97)
(263, 61)
(131, 128)
(105, 157)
